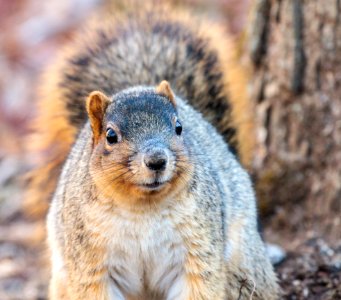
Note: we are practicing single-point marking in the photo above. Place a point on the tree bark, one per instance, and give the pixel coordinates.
(294, 49)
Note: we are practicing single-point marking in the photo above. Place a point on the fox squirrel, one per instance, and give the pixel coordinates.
(151, 203)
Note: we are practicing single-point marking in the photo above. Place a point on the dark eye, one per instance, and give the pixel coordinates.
(178, 128)
(112, 137)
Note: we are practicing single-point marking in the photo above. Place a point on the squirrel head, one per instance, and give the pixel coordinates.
(139, 146)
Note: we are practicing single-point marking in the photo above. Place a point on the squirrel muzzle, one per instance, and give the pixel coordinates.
(154, 165)
(139, 152)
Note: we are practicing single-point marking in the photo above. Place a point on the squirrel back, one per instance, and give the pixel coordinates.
(197, 58)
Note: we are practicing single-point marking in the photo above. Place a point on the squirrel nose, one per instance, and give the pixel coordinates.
(156, 160)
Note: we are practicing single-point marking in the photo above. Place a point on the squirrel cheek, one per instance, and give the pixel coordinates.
(137, 167)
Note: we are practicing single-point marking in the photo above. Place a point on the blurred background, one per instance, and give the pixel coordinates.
(292, 51)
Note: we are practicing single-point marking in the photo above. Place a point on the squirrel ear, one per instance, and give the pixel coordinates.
(96, 105)
(164, 89)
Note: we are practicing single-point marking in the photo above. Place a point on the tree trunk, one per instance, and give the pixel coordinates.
(294, 48)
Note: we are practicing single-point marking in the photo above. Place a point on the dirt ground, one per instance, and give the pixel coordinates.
(30, 37)
(311, 271)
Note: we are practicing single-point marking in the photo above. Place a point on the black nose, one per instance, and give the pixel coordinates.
(156, 160)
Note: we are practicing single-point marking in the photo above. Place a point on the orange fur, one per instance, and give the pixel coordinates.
(49, 145)
(96, 105)
(164, 89)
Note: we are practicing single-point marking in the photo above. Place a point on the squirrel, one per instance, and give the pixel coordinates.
(141, 123)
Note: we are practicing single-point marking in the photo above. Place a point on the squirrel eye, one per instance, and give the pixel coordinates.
(178, 128)
(111, 136)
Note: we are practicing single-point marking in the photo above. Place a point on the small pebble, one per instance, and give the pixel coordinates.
(275, 253)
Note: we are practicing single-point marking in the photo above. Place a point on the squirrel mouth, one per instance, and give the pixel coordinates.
(156, 185)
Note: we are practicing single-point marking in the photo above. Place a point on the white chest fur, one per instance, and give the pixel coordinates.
(146, 257)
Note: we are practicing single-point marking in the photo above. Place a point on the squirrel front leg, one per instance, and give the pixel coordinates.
(199, 282)
(85, 263)
(76, 286)
(90, 284)
(204, 268)
(204, 281)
